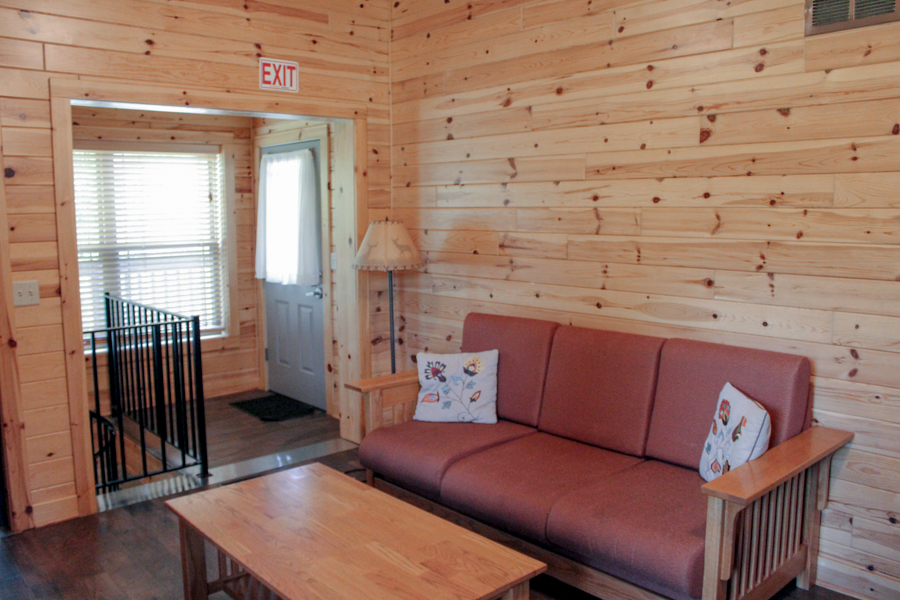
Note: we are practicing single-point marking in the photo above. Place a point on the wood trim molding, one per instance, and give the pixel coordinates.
(350, 196)
(76, 385)
(249, 103)
(353, 286)
(10, 392)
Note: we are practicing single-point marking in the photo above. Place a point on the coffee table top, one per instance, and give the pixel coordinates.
(312, 532)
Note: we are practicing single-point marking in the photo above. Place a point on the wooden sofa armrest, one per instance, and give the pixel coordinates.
(392, 395)
(762, 522)
(751, 480)
(383, 382)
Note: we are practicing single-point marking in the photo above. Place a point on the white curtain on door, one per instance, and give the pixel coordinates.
(287, 240)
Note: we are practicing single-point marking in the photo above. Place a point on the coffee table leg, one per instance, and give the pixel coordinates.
(518, 592)
(193, 563)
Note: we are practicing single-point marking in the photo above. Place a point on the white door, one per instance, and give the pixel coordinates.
(295, 329)
(296, 353)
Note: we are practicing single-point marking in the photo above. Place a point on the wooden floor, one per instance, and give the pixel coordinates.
(233, 435)
(132, 553)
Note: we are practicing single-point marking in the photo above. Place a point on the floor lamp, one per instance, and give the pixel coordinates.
(388, 247)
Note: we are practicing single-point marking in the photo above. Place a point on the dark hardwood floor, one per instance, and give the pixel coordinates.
(132, 553)
(233, 435)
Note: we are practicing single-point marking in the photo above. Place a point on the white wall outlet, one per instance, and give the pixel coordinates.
(333, 261)
(26, 293)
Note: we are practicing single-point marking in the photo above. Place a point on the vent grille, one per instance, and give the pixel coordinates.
(873, 8)
(826, 12)
(823, 16)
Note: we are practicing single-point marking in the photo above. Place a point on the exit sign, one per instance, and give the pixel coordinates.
(281, 75)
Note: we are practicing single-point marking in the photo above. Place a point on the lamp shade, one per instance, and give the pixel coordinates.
(387, 247)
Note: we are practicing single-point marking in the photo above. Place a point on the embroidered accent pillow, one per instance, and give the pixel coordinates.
(740, 432)
(457, 388)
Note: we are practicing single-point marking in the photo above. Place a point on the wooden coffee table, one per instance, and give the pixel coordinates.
(312, 532)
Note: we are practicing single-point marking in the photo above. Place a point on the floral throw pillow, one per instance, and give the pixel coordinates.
(457, 388)
(740, 432)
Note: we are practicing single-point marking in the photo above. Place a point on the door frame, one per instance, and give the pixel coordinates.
(350, 198)
(310, 134)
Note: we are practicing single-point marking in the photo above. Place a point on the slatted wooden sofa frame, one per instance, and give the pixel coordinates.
(762, 525)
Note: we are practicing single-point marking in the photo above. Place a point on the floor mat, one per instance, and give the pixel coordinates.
(275, 407)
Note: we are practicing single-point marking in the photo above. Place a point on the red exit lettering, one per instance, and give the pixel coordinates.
(280, 75)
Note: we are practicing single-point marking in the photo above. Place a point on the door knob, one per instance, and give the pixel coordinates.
(318, 293)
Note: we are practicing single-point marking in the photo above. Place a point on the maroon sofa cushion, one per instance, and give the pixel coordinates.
(600, 388)
(416, 454)
(691, 375)
(524, 346)
(645, 525)
(514, 485)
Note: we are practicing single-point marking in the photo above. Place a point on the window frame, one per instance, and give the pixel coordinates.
(228, 336)
(810, 29)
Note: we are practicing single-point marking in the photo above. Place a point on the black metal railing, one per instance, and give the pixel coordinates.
(156, 403)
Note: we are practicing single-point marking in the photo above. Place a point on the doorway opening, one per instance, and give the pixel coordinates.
(235, 356)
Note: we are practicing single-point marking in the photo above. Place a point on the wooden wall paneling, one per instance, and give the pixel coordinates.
(17, 112)
(703, 69)
(780, 197)
(875, 190)
(829, 121)
(21, 54)
(789, 323)
(694, 283)
(837, 225)
(866, 46)
(491, 171)
(14, 462)
(649, 17)
(777, 25)
(64, 178)
(30, 199)
(776, 191)
(477, 242)
(458, 34)
(827, 293)
(777, 158)
(852, 84)
(134, 39)
(664, 133)
(511, 46)
(285, 30)
(694, 39)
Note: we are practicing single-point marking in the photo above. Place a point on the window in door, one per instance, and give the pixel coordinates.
(151, 229)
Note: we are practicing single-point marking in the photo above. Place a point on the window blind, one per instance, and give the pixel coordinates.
(151, 229)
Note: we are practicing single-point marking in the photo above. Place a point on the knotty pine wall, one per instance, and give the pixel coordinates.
(229, 364)
(687, 168)
(342, 47)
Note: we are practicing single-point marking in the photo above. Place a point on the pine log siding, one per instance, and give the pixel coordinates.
(668, 167)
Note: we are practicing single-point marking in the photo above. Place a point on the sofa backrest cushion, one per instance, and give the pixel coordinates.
(691, 375)
(600, 388)
(524, 346)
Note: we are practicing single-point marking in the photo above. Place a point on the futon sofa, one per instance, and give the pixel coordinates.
(593, 464)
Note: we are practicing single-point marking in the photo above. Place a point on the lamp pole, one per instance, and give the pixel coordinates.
(391, 312)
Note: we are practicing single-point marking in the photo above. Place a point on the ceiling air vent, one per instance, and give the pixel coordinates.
(823, 16)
